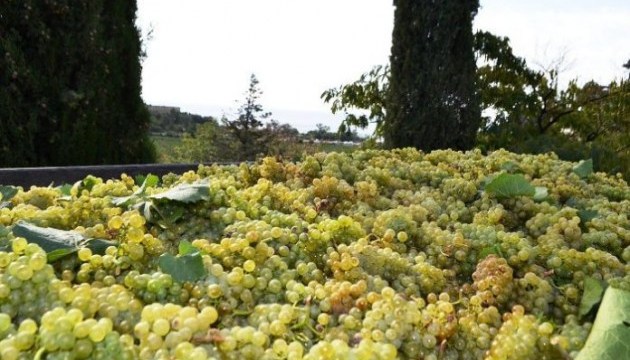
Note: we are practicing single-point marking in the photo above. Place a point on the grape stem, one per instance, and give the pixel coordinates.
(39, 353)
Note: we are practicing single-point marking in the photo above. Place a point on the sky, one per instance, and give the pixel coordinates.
(201, 53)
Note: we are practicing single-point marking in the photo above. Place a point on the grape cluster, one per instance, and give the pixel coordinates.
(372, 254)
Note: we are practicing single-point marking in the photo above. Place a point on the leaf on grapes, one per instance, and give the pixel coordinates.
(541, 193)
(586, 215)
(98, 246)
(148, 180)
(510, 167)
(185, 248)
(89, 182)
(7, 192)
(58, 254)
(182, 268)
(186, 193)
(509, 186)
(50, 239)
(593, 291)
(65, 189)
(66, 192)
(609, 338)
(138, 196)
(495, 249)
(584, 168)
(487, 180)
(122, 201)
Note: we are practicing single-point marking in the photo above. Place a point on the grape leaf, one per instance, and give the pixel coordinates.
(58, 243)
(586, 215)
(541, 193)
(495, 249)
(186, 193)
(148, 181)
(584, 168)
(58, 254)
(185, 248)
(89, 182)
(609, 338)
(182, 268)
(508, 186)
(510, 167)
(8, 192)
(48, 239)
(593, 291)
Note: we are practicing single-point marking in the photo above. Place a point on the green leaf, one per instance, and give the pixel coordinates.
(65, 189)
(509, 186)
(586, 215)
(8, 192)
(182, 268)
(593, 291)
(510, 167)
(584, 168)
(148, 181)
(48, 239)
(541, 193)
(98, 246)
(494, 249)
(185, 248)
(89, 182)
(122, 201)
(610, 336)
(186, 193)
(53, 240)
(138, 195)
(59, 253)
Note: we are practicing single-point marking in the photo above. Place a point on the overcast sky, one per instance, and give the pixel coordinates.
(202, 52)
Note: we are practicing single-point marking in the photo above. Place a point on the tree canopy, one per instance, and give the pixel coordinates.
(432, 99)
(70, 84)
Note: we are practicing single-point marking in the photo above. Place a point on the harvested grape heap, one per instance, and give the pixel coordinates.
(368, 255)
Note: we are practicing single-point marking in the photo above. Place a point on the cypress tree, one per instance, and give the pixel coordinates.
(70, 84)
(433, 103)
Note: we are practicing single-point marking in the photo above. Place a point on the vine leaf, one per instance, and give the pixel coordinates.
(509, 186)
(183, 268)
(584, 168)
(186, 193)
(593, 292)
(59, 243)
(185, 248)
(610, 336)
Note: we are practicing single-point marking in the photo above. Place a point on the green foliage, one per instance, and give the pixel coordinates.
(70, 74)
(524, 109)
(59, 243)
(241, 139)
(432, 99)
(210, 142)
(584, 168)
(172, 122)
(186, 193)
(509, 186)
(149, 204)
(368, 93)
(610, 336)
(182, 268)
(593, 292)
(247, 127)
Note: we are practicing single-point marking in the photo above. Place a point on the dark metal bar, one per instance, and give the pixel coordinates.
(44, 176)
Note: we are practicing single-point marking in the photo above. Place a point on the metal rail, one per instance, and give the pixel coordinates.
(44, 176)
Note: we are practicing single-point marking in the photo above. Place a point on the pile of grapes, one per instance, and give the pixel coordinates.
(368, 255)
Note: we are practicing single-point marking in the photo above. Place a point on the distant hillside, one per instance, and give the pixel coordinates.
(170, 121)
